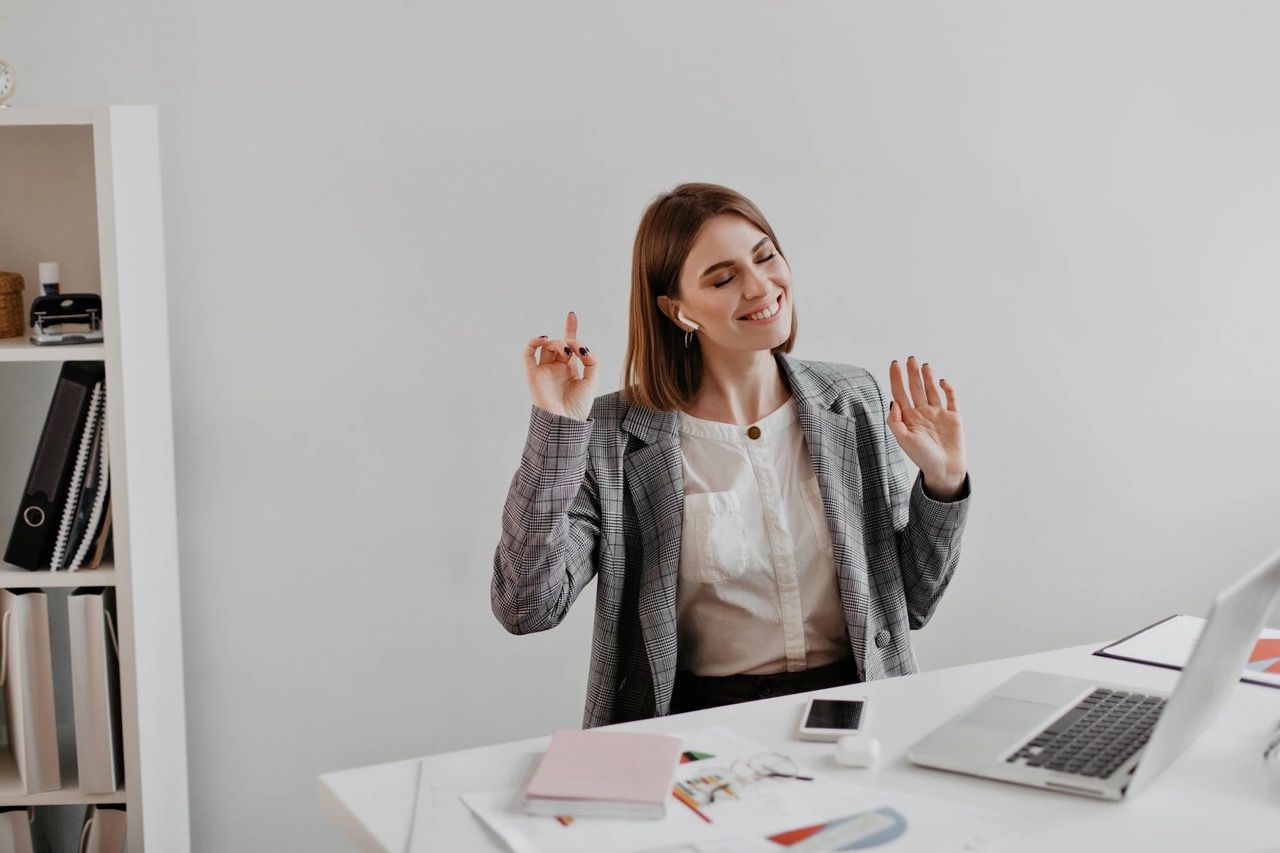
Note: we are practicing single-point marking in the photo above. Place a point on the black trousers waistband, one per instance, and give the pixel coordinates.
(695, 692)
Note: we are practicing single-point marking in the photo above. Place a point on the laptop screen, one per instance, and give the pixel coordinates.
(1236, 617)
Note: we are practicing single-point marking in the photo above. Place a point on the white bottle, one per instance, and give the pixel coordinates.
(50, 283)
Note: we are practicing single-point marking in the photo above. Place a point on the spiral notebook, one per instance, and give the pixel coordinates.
(86, 461)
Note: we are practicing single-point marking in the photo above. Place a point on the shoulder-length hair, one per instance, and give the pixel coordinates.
(659, 371)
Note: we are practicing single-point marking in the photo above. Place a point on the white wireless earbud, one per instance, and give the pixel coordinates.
(683, 319)
(858, 750)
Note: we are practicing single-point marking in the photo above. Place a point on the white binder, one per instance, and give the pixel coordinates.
(104, 830)
(26, 670)
(15, 831)
(95, 689)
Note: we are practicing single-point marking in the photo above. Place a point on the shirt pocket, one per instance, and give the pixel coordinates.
(713, 544)
(812, 494)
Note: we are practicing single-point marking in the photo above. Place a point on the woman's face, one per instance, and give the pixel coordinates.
(732, 277)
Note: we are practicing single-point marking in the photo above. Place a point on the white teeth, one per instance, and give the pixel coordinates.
(766, 313)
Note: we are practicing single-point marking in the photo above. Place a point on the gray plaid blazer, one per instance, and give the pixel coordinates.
(604, 498)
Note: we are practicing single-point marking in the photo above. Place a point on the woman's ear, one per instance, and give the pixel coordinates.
(666, 306)
(682, 322)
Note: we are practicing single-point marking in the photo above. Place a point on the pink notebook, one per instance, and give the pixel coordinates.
(604, 774)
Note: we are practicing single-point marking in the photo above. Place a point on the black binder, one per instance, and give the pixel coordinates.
(40, 512)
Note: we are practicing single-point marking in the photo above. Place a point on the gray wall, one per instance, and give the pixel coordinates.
(1068, 208)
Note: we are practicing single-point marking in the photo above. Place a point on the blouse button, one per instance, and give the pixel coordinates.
(753, 432)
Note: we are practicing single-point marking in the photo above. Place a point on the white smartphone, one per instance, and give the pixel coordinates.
(832, 719)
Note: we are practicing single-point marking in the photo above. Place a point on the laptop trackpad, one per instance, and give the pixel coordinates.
(1015, 715)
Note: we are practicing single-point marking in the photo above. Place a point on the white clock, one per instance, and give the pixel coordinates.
(8, 80)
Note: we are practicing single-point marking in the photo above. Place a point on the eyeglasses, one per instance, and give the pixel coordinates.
(727, 781)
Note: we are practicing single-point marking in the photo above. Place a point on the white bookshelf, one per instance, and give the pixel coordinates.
(21, 349)
(82, 187)
(12, 577)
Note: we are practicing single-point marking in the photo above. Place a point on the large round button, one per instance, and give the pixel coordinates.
(753, 432)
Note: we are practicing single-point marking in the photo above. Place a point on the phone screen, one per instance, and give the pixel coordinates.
(834, 714)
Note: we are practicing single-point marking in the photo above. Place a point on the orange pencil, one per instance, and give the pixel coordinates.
(690, 802)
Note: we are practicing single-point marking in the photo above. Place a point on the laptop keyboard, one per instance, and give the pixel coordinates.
(1096, 736)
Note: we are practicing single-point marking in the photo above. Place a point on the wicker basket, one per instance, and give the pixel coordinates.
(12, 320)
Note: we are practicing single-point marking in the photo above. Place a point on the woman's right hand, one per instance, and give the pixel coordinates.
(553, 377)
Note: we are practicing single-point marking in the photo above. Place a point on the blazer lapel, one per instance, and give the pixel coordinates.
(654, 474)
(831, 438)
(833, 446)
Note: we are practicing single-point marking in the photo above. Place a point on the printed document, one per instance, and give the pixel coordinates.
(719, 805)
(1169, 644)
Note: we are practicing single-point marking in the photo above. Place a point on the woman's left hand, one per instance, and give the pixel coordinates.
(929, 433)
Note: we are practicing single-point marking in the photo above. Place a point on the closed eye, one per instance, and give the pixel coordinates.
(763, 260)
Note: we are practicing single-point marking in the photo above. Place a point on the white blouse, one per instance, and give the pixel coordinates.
(757, 591)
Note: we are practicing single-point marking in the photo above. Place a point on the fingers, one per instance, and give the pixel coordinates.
(914, 382)
(531, 350)
(544, 350)
(895, 418)
(898, 390)
(920, 382)
(571, 347)
(577, 349)
(930, 392)
(951, 395)
(589, 362)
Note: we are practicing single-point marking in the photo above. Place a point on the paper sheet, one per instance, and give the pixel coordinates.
(768, 814)
(1169, 644)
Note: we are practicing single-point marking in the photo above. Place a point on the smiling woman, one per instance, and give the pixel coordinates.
(705, 262)
(749, 517)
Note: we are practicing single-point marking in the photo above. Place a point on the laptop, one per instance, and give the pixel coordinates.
(1105, 740)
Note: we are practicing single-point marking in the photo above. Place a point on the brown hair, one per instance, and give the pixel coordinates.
(659, 372)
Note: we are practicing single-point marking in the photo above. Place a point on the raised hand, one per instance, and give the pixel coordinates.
(553, 377)
(929, 433)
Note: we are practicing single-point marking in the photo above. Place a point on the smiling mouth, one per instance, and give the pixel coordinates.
(777, 308)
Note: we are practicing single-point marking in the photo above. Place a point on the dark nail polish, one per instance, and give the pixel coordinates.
(583, 350)
(568, 351)
(542, 337)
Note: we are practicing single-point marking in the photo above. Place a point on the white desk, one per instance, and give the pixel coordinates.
(1219, 796)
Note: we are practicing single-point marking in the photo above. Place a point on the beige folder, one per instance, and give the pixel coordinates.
(26, 668)
(103, 830)
(15, 831)
(95, 689)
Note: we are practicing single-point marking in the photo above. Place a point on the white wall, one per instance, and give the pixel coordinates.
(1068, 208)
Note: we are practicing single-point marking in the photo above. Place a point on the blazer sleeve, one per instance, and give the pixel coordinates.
(550, 527)
(927, 532)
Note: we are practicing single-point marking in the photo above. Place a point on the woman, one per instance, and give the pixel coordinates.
(750, 522)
